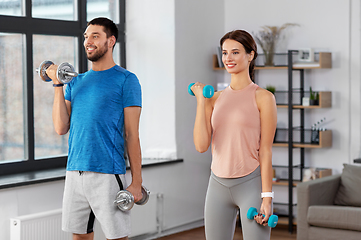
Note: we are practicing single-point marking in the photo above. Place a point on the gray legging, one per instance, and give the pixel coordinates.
(224, 197)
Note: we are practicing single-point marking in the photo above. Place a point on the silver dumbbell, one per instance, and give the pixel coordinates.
(64, 73)
(125, 200)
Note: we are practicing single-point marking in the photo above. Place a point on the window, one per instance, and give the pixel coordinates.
(47, 142)
(12, 7)
(11, 97)
(105, 8)
(53, 9)
(32, 31)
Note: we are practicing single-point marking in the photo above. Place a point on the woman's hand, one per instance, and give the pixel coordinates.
(197, 89)
(266, 210)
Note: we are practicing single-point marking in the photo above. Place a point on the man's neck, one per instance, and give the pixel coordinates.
(106, 62)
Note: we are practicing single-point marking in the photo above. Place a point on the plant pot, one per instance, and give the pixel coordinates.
(313, 102)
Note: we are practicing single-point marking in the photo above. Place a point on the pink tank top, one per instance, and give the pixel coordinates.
(236, 126)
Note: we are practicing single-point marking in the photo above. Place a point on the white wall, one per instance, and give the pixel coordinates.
(324, 25)
(354, 78)
(170, 45)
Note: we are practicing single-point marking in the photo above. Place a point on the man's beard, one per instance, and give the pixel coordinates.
(99, 54)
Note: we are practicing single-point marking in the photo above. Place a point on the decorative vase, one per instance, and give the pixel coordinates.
(268, 59)
(267, 40)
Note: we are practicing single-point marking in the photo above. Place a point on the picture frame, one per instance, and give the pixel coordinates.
(306, 55)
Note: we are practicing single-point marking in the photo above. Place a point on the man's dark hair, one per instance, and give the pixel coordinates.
(109, 26)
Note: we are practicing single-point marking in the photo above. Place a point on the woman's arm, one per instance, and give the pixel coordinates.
(202, 132)
(268, 113)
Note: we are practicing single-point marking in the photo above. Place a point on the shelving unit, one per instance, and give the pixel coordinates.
(325, 140)
(286, 183)
(325, 137)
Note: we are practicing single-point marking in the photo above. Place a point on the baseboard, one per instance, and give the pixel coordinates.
(170, 231)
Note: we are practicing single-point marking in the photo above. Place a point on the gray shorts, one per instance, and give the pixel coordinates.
(224, 198)
(90, 195)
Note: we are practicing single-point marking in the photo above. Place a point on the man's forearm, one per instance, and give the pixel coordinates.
(61, 115)
(135, 159)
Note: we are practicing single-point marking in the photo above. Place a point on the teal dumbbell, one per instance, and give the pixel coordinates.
(208, 90)
(272, 220)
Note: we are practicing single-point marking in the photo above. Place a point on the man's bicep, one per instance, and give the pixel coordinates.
(131, 118)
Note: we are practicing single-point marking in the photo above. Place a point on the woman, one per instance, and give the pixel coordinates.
(241, 121)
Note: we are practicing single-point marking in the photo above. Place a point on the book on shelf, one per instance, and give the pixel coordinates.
(306, 64)
(219, 57)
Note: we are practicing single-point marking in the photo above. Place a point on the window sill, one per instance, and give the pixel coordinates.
(23, 179)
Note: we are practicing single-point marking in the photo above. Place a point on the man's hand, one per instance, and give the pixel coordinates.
(51, 72)
(136, 191)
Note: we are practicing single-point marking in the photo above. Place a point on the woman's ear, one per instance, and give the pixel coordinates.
(251, 56)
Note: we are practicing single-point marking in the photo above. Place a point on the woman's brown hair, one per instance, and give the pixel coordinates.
(248, 43)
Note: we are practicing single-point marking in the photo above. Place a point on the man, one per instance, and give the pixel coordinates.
(98, 107)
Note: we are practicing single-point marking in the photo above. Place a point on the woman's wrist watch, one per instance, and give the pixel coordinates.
(268, 194)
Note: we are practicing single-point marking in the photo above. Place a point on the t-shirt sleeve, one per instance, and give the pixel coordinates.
(132, 92)
(67, 94)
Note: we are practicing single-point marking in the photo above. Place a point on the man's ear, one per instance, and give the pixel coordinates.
(112, 41)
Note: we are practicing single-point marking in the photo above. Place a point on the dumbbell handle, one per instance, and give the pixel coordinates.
(118, 201)
(64, 72)
(272, 220)
(125, 199)
(69, 73)
(208, 90)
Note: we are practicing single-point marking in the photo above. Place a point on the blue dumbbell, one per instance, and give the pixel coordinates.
(208, 90)
(272, 220)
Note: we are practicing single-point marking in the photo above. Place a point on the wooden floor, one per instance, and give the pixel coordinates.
(278, 233)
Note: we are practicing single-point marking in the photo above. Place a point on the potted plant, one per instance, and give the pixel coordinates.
(314, 97)
(267, 39)
(271, 88)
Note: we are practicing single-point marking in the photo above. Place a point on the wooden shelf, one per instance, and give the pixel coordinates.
(325, 61)
(325, 101)
(325, 141)
(215, 63)
(285, 183)
(270, 68)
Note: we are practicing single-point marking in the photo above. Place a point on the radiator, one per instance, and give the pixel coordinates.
(47, 225)
(40, 226)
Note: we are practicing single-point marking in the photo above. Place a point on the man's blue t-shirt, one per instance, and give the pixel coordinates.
(98, 99)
